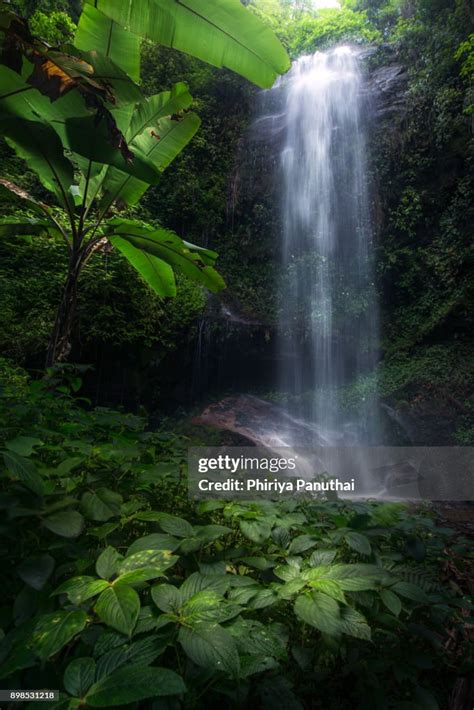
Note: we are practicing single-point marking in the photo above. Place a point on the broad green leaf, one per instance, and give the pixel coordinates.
(108, 641)
(410, 591)
(207, 506)
(90, 139)
(149, 619)
(330, 587)
(257, 639)
(166, 597)
(138, 576)
(209, 533)
(302, 543)
(359, 543)
(262, 599)
(175, 526)
(154, 541)
(202, 535)
(160, 560)
(256, 530)
(67, 523)
(222, 33)
(351, 578)
(159, 148)
(79, 676)
(96, 31)
(281, 537)
(151, 109)
(290, 588)
(251, 666)
(101, 505)
(132, 684)
(106, 71)
(53, 631)
(319, 610)
(149, 516)
(146, 117)
(203, 606)
(103, 531)
(166, 245)
(118, 607)
(36, 571)
(24, 470)
(157, 274)
(260, 563)
(208, 606)
(79, 589)
(197, 582)
(391, 601)
(20, 100)
(211, 647)
(322, 557)
(354, 624)
(22, 445)
(108, 562)
(39, 145)
(142, 652)
(17, 98)
(288, 572)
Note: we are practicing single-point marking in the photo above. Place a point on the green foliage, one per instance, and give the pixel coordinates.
(160, 596)
(78, 110)
(55, 28)
(329, 27)
(383, 14)
(465, 54)
(115, 308)
(425, 195)
(304, 29)
(225, 36)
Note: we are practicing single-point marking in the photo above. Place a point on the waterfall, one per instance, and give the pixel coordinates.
(328, 309)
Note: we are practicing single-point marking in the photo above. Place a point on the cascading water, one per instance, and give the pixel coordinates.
(328, 322)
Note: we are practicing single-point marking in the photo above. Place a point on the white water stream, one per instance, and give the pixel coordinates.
(328, 321)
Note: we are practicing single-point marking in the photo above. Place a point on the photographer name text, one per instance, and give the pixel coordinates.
(257, 485)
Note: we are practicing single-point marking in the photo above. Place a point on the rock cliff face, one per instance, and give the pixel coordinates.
(387, 84)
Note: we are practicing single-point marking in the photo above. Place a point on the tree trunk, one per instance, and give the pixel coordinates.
(60, 343)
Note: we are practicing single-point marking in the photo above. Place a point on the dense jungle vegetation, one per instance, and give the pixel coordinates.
(118, 590)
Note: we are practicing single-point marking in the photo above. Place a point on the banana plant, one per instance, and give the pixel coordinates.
(77, 116)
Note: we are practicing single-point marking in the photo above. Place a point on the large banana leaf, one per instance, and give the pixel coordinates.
(160, 145)
(39, 145)
(167, 139)
(170, 248)
(157, 273)
(221, 32)
(167, 103)
(17, 98)
(96, 31)
(89, 138)
(106, 72)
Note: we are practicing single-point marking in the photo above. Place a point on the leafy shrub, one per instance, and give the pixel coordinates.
(119, 590)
